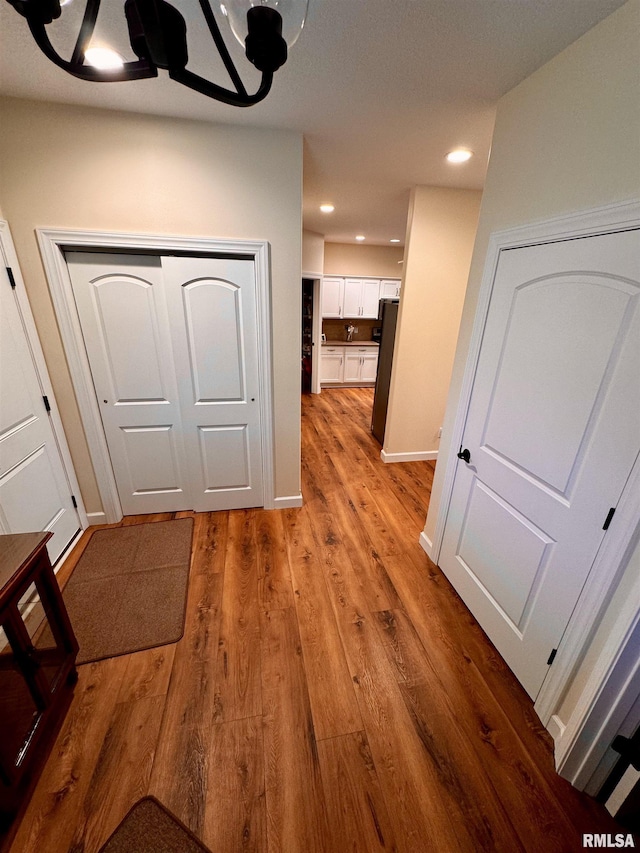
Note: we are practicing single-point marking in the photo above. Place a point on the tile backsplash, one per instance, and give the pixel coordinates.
(335, 329)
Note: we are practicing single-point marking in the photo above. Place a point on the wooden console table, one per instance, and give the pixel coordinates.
(37, 667)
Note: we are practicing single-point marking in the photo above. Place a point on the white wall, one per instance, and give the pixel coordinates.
(312, 253)
(362, 260)
(81, 168)
(566, 139)
(440, 232)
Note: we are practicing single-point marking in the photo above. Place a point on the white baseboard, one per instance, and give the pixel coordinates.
(96, 518)
(58, 564)
(427, 545)
(555, 727)
(287, 502)
(408, 457)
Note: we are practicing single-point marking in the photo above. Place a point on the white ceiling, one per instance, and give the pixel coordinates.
(381, 90)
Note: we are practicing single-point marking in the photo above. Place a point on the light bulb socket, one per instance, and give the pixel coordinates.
(264, 44)
(38, 11)
(157, 32)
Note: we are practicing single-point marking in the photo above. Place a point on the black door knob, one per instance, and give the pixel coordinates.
(464, 454)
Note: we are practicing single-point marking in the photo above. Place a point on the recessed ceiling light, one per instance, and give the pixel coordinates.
(459, 155)
(360, 237)
(103, 58)
(327, 208)
(394, 240)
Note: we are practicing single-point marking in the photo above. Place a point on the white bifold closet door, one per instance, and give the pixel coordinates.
(172, 346)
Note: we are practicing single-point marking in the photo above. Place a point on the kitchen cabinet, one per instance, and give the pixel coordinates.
(360, 365)
(349, 365)
(37, 665)
(332, 364)
(361, 297)
(332, 297)
(390, 288)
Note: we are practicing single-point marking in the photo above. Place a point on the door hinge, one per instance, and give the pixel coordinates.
(74, 501)
(607, 520)
(12, 280)
(45, 400)
(552, 657)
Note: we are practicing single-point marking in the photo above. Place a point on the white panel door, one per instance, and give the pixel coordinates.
(553, 430)
(34, 492)
(213, 316)
(122, 309)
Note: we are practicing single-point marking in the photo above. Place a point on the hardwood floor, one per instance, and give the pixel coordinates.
(331, 693)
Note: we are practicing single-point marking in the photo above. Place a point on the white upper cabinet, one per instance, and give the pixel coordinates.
(390, 288)
(361, 297)
(332, 297)
(350, 298)
(370, 297)
(352, 293)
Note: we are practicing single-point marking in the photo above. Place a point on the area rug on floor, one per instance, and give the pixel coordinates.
(129, 589)
(150, 828)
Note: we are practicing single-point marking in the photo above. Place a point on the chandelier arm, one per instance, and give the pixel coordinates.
(214, 29)
(86, 31)
(211, 90)
(138, 70)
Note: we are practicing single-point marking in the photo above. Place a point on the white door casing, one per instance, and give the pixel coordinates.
(54, 242)
(552, 438)
(212, 309)
(173, 352)
(35, 483)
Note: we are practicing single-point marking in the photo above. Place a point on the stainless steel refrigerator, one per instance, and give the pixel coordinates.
(388, 316)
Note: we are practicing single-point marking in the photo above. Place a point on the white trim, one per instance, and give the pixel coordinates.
(67, 552)
(314, 275)
(7, 249)
(612, 554)
(555, 727)
(622, 790)
(599, 583)
(96, 518)
(426, 544)
(287, 502)
(53, 242)
(316, 342)
(608, 696)
(420, 456)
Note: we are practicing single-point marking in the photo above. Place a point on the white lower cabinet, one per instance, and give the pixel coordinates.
(332, 364)
(369, 365)
(349, 365)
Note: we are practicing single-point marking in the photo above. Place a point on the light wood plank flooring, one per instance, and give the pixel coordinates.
(331, 692)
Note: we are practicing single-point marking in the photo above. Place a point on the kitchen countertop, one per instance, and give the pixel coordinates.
(350, 344)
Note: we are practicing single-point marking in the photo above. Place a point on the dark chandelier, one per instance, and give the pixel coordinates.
(158, 37)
